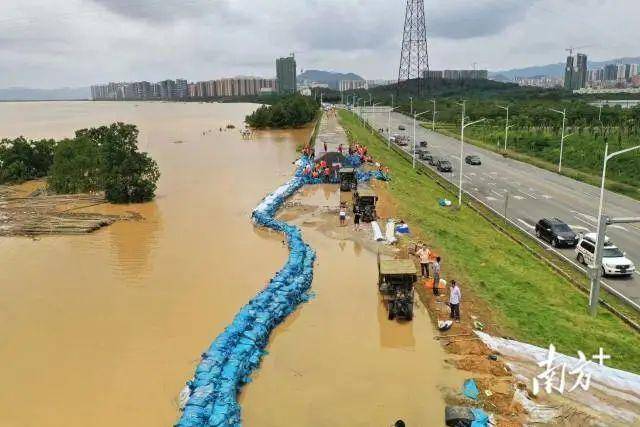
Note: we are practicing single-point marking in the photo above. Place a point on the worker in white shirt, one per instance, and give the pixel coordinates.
(454, 300)
(424, 253)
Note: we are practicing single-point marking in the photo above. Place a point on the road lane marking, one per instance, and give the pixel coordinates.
(491, 199)
(584, 221)
(518, 197)
(531, 227)
(466, 176)
(454, 156)
(579, 227)
(492, 184)
(497, 194)
(544, 196)
(619, 227)
(527, 194)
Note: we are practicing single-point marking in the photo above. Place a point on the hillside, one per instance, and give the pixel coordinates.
(329, 77)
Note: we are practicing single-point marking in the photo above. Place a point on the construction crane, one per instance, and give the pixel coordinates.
(572, 48)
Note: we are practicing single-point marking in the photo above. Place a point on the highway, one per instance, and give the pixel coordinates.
(534, 193)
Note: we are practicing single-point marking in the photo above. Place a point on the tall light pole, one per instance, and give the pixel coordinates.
(506, 126)
(463, 125)
(594, 295)
(415, 116)
(600, 113)
(563, 137)
(411, 100)
(391, 100)
(433, 122)
(373, 112)
(389, 128)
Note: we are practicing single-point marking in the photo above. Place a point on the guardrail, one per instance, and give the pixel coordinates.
(452, 188)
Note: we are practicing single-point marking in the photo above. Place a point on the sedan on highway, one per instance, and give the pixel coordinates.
(614, 261)
(473, 160)
(401, 127)
(444, 166)
(556, 232)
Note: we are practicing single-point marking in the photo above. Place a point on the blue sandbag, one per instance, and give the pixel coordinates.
(480, 418)
(236, 352)
(470, 389)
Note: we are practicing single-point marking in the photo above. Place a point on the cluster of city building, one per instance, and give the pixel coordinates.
(347, 85)
(612, 76)
(180, 89)
(540, 81)
(456, 74)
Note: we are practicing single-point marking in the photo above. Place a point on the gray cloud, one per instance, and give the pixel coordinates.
(79, 42)
(471, 19)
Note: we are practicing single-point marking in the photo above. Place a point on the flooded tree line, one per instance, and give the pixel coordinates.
(105, 158)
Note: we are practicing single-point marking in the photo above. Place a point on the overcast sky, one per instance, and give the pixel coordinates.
(53, 43)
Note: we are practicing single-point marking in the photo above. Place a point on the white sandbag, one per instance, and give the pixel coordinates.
(377, 233)
(390, 234)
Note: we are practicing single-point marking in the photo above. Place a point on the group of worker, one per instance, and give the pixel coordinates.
(321, 171)
(427, 262)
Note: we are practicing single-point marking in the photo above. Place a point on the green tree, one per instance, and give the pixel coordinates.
(76, 167)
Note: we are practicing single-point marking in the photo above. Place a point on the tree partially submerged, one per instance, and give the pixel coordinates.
(291, 111)
(104, 158)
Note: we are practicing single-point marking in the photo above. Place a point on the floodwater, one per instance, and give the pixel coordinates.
(104, 329)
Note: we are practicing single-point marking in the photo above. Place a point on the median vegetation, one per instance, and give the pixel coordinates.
(528, 300)
(97, 159)
(288, 112)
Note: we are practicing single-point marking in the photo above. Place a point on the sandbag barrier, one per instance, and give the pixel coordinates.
(210, 398)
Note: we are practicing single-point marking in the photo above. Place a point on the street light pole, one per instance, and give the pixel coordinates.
(563, 137)
(411, 99)
(373, 112)
(463, 125)
(506, 126)
(389, 128)
(415, 116)
(433, 122)
(392, 101)
(594, 294)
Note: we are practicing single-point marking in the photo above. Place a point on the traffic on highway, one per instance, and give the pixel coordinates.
(559, 211)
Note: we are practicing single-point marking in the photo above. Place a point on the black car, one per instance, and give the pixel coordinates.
(423, 143)
(422, 154)
(433, 161)
(444, 166)
(401, 127)
(473, 160)
(556, 232)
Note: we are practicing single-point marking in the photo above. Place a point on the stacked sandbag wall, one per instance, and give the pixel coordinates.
(210, 398)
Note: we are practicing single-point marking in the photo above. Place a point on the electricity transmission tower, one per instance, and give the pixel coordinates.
(414, 59)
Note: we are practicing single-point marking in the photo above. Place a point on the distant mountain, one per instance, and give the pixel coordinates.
(328, 77)
(29, 94)
(554, 70)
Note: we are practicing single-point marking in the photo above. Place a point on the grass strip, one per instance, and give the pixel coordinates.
(529, 301)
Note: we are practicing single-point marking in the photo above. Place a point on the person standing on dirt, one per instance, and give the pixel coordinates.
(342, 214)
(454, 300)
(356, 218)
(436, 276)
(424, 253)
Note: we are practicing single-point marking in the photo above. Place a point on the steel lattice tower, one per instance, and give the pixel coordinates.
(414, 58)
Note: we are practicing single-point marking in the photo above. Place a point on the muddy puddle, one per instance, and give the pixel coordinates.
(104, 329)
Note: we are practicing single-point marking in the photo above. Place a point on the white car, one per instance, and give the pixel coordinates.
(614, 261)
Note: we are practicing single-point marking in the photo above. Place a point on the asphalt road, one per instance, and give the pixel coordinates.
(534, 193)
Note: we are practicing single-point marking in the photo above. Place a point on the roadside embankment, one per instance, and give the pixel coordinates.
(525, 298)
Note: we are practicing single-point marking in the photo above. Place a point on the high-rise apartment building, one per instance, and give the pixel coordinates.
(286, 74)
(575, 73)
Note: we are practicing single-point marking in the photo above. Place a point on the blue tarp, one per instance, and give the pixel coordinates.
(470, 389)
(227, 364)
(480, 418)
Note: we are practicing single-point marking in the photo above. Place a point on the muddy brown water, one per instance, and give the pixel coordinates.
(104, 329)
